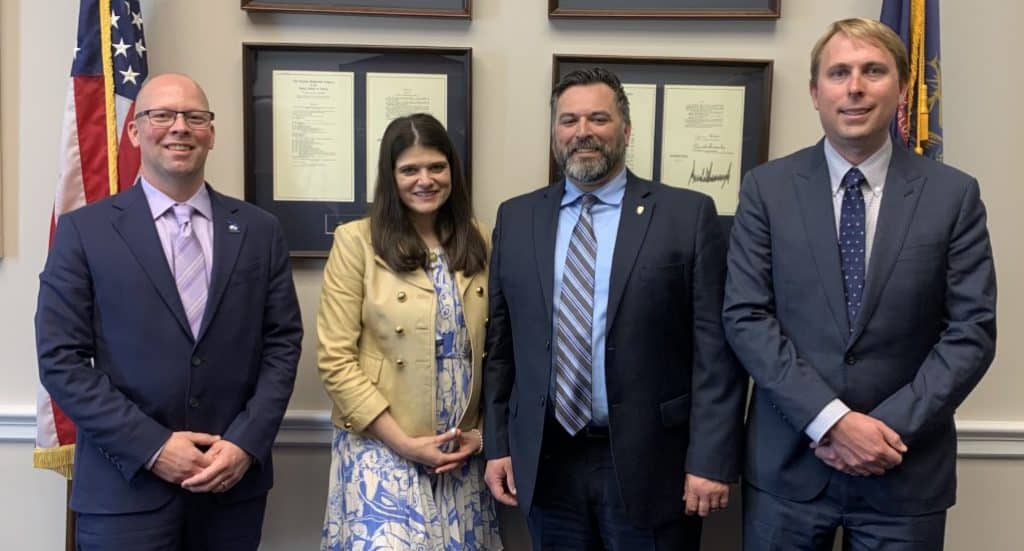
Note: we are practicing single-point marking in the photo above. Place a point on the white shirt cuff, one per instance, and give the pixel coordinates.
(828, 416)
(152, 460)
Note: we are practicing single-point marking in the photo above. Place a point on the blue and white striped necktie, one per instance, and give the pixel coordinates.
(573, 354)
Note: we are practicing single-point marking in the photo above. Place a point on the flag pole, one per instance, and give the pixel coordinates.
(69, 525)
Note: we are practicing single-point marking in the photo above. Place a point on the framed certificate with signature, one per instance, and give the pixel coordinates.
(665, 9)
(314, 117)
(449, 9)
(696, 123)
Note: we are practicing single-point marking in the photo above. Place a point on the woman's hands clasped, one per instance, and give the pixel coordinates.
(427, 450)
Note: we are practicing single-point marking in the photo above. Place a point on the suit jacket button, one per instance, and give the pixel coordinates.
(479, 291)
(193, 402)
(401, 296)
(399, 329)
(483, 355)
(348, 426)
(400, 362)
(850, 359)
(543, 400)
(197, 361)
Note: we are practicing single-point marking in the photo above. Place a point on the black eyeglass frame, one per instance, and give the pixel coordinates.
(184, 115)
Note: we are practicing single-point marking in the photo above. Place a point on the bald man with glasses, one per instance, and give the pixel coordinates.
(168, 330)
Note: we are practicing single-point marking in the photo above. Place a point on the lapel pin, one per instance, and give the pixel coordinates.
(639, 210)
(233, 227)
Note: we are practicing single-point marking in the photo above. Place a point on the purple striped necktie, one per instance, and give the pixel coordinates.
(189, 268)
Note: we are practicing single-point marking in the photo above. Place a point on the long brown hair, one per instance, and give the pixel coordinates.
(394, 238)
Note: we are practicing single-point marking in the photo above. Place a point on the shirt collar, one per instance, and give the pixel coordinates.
(875, 168)
(609, 194)
(159, 202)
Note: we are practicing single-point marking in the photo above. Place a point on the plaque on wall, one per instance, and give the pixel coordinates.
(449, 9)
(666, 9)
(313, 120)
(696, 123)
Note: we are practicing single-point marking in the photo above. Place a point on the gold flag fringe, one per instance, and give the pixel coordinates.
(59, 459)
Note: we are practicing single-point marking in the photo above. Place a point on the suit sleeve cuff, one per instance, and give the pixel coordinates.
(828, 416)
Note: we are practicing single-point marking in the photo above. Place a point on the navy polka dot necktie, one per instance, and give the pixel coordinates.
(852, 241)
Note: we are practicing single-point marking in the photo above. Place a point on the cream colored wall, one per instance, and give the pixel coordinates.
(512, 43)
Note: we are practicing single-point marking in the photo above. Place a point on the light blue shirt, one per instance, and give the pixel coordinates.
(605, 217)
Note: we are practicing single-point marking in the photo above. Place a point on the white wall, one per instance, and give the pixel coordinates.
(512, 43)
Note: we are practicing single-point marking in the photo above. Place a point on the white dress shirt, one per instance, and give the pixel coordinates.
(875, 169)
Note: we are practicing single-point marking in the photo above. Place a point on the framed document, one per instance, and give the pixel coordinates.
(393, 95)
(314, 116)
(454, 9)
(666, 9)
(696, 123)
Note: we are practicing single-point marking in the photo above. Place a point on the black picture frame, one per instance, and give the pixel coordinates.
(445, 9)
(665, 9)
(754, 74)
(309, 225)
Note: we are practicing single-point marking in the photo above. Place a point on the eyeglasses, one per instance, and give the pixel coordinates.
(164, 118)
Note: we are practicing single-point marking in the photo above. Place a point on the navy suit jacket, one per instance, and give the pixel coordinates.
(675, 391)
(117, 355)
(924, 336)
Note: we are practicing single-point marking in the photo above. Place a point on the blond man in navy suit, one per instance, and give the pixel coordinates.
(861, 298)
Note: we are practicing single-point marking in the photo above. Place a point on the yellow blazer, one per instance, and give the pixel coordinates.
(377, 337)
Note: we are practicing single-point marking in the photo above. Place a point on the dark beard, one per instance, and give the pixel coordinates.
(591, 170)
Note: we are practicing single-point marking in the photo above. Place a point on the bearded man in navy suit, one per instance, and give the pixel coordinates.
(168, 330)
(613, 403)
(861, 298)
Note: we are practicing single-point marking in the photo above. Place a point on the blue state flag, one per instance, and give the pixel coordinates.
(919, 122)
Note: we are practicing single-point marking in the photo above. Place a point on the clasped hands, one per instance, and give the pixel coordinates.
(860, 445)
(218, 469)
(427, 450)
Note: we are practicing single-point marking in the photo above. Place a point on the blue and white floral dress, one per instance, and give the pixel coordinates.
(378, 500)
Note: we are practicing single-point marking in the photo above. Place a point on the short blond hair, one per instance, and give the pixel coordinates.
(867, 30)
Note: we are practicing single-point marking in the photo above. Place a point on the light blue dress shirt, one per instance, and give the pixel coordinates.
(605, 216)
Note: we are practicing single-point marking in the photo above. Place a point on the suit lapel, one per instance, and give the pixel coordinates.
(814, 197)
(633, 224)
(545, 227)
(228, 235)
(899, 201)
(134, 222)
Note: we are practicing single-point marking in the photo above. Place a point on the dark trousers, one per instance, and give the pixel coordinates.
(578, 506)
(773, 523)
(188, 522)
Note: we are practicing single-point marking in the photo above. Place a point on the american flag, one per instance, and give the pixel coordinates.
(96, 159)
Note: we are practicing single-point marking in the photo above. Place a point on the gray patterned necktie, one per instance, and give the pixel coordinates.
(573, 354)
(189, 268)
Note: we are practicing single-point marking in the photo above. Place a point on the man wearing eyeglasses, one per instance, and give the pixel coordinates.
(168, 330)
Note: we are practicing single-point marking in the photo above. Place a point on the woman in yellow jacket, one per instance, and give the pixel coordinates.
(401, 329)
